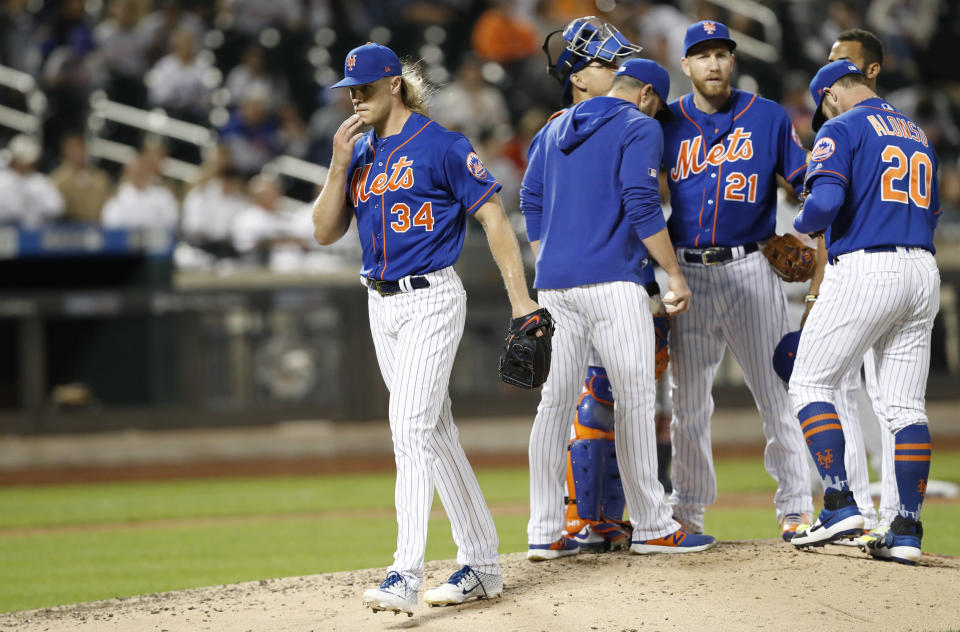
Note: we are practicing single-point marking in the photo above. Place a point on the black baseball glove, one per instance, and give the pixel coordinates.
(525, 360)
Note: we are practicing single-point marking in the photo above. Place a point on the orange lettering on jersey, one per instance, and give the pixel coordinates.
(894, 124)
(401, 177)
(917, 134)
(883, 125)
(877, 125)
(357, 193)
(379, 184)
(739, 147)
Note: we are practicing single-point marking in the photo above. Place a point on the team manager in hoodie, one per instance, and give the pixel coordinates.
(592, 209)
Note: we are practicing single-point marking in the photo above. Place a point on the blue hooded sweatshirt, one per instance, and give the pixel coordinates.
(590, 193)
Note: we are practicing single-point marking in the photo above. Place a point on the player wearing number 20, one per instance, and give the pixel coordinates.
(873, 188)
(723, 152)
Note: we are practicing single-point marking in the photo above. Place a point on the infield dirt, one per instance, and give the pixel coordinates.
(745, 585)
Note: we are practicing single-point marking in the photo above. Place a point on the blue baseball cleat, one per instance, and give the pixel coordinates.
(840, 518)
(900, 543)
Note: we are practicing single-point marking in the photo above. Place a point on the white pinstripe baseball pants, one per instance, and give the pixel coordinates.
(849, 406)
(886, 301)
(614, 318)
(416, 336)
(890, 495)
(739, 304)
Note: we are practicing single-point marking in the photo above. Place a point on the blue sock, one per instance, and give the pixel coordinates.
(821, 429)
(911, 463)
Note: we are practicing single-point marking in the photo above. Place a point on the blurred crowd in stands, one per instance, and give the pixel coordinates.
(256, 73)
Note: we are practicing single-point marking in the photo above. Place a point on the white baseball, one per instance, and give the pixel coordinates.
(668, 303)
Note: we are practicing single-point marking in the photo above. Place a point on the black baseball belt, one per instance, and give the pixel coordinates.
(389, 288)
(717, 254)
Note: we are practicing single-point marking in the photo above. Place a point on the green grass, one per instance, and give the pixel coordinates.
(128, 539)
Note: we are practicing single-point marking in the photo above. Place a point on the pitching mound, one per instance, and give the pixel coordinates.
(748, 585)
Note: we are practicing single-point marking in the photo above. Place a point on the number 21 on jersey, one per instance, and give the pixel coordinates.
(422, 218)
(736, 181)
(920, 171)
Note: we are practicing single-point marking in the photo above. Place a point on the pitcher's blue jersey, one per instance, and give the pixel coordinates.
(722, 169)
(886, 166)
(411, 193)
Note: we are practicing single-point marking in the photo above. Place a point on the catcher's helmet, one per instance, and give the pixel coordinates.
(585, 40)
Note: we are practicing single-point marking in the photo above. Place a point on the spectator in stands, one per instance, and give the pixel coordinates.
(250, 17)
(17, 27)
(182, 81)
(504, 34)
(154, 153)
(263, 225)
(70, 71)
(470, 105)
(157, 27)
(27, 198)
(325, 122)
(210, 209)
(139, 202)
(251, 74)
(292, 132)
(252, 134)
(122, 47)
(84, 188)
(796, 101)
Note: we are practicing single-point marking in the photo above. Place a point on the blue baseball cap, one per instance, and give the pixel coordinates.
(826, 77)
(649, 71)
(784, 355)
(704, 31)
(367, 63)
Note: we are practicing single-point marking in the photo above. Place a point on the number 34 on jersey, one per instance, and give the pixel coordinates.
(400, 177)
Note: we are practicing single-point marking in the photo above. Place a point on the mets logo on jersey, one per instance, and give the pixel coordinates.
(475, 166)
(693, 158)
(823, 149)
(351, 62)
(710, 27)
(400, 176)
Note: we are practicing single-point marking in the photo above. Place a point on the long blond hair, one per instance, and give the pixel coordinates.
(414, 89)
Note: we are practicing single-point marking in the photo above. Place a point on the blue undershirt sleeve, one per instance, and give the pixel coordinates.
(820, 207)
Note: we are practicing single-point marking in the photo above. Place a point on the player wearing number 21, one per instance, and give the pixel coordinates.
(873, 189)
(723, 152)
(411, 185)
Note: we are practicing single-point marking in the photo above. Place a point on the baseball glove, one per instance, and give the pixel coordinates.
(661, 331)
(525, 360)
(790, 259)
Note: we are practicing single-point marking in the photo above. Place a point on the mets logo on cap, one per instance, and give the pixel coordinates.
(710, 27)
(351, 62)
(475, 166)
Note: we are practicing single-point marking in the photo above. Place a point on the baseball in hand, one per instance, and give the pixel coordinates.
(669, 302)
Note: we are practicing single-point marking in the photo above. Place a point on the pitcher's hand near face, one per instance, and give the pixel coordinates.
(343, 141)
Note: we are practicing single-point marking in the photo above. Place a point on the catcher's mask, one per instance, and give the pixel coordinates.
(586, 39)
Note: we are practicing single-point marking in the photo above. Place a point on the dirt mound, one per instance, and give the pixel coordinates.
(747, 585)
